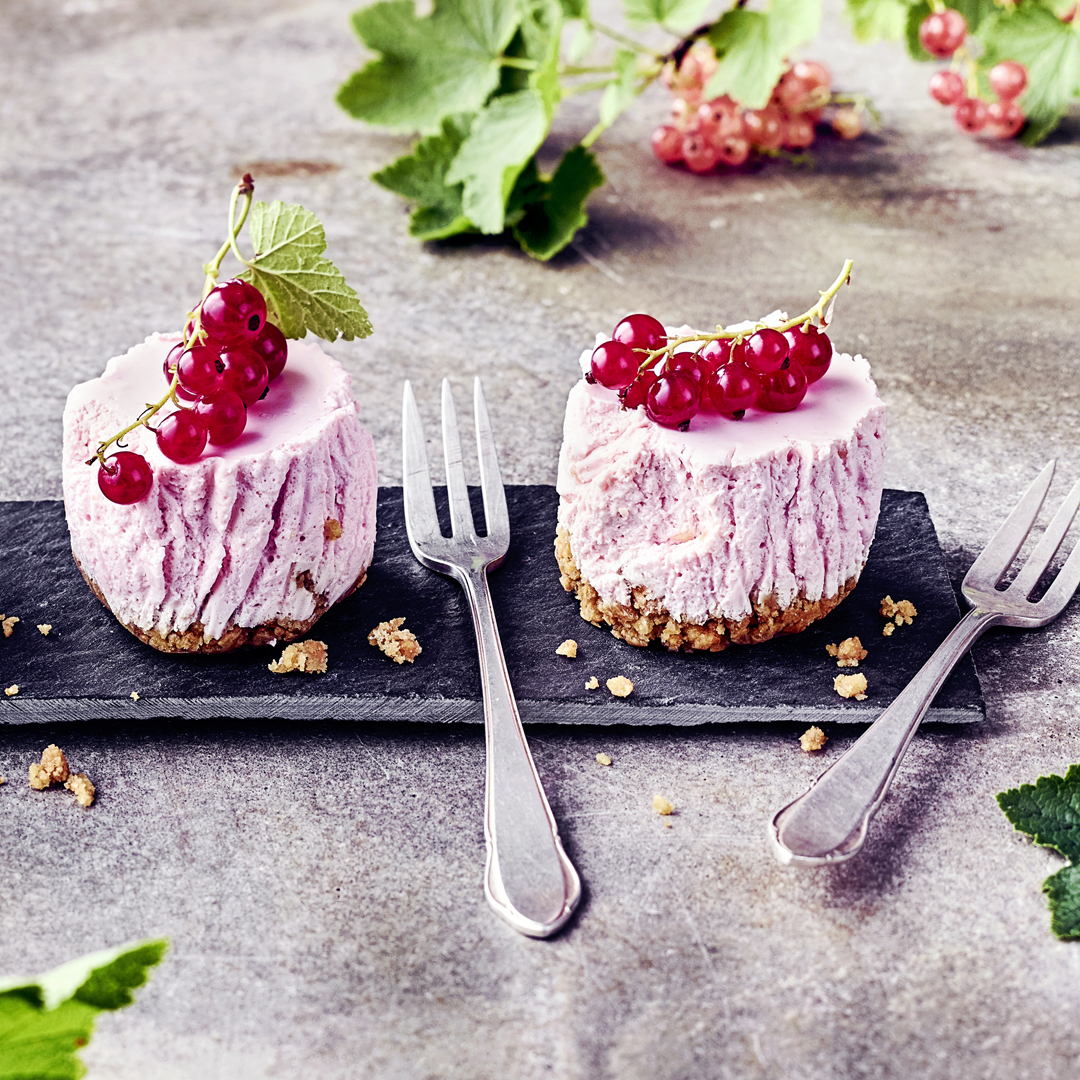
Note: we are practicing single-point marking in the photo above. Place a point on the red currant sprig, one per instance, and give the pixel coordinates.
(731, 370)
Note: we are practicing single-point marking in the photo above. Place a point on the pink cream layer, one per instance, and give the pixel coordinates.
(238, 537)
(714, 519)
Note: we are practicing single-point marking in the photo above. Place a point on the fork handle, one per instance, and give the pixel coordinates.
(529, 880)
(828, 822)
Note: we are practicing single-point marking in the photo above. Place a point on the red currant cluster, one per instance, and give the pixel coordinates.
(706, 133)
(942, 34)
(766, 368)
(229, 356)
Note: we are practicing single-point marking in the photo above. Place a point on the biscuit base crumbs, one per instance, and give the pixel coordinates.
(44, 628)
(900, 611)
(593, 683)
(8, 623)
(399, 644)
(620, 686)
(331, 529)
(813, 738)
(848, 653)
(603, 759)
(851, 686)
(567, 648)
(888, 629)
(306, 656)
(80, 785)
(662, 806)
(134, 695)
(52, 769)
(11, 690)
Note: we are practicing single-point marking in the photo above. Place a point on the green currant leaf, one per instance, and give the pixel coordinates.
(420, 177)
(555, 208)
(444, 63)
(916, 14)
(752, 47)
(504, 135)
(677, 14)
(544, 27)
(303, 289)
(45, 1021)
(878, 20)
(1050, 50)
(1049, 812)
(619, 93)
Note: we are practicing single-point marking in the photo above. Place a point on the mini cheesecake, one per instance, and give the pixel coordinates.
(250, 544)
(733, 531)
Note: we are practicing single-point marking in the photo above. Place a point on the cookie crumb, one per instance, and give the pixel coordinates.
(332, 529)
(848, 653)
(80, 785)
(567, 648)
(851, 686)
(306, 656)
(11, 690)
(44, 628)
(603, 759)
(662, 806)
(399, 644)
(8, 623)
(52, 769)
(620, 686)
(888, 629)
(134, 695)
(900, 611)
(813, 738)
(593, 683)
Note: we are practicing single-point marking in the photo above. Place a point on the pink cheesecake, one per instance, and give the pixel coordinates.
(250, 544)
(730, 532)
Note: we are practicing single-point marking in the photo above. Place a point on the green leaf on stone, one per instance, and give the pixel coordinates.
(619, 93)
(878, 20)
(915, 16)
(676, 14)
(304, 290)
(555, 208)
(431, 67)
(1049, 812)
(44, 1021)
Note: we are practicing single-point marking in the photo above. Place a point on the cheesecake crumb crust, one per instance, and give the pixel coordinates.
(646, 619)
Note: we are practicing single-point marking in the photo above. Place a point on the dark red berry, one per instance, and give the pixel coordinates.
(716, 353)
(811, 349)
(244, 373)
(125, 478)
(225, 416)
(764, 351)
(614, 364)
(181, 436)
(673, 400)
(687, 363)
(233, 312)
(633, 397)
(201, 370)
(641, 332)
(970, 115)
(273, 348)
(733, 389)
(782, 390)
(942, 33)
(946, 87)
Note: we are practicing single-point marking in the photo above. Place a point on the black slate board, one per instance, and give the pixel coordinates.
(88, 665)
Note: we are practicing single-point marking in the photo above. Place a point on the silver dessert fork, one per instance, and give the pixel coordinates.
(529, 881)
(828, 823)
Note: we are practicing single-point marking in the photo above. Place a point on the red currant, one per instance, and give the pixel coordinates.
(125, 478)
(764, 351)
(245, 373)
(782, 390)
(201, 370)
(1008, 79)
(946, 87)
(641, 332)
(970, 115)
(673, 400)
(798, 132)
(733, 389)
(169, 370)
(942, 33)
(715, 354)
(273, 347)
(634, 395)
(698, 152)
(181, 436)
(733, 151)
(811, 349)
(225, 416)
(1004, 119)
(812, 74)
(614, 364)
(686, 363)
(764, 128)
(667, 144)
(233, 312)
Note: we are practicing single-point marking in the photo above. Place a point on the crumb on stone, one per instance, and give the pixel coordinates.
(662, 806)
(567, 648)
(593, 683)
(848, 653)
(52, 769)
(80, 785)
(44, 628)
(888, 629)
(620, 686)
(306, 656)
(134, 695)
(813, 738)
(11, 690)
(397, 643)
(900, 611)
(851, 686)
(8, 623)
(603, 759)
(332, 529)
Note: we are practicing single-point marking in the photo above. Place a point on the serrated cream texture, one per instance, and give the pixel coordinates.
(712, 520)
(238, 536)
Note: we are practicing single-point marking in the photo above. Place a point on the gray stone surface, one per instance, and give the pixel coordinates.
(321, 883)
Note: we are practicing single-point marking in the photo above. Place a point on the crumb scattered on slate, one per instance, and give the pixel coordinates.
(52, 769)
(620, 686)
(11, 690)
(603, 759)
(901, 612)
(332, 529)
(80, 786)
(848, 653)
(306, 656)
(593, 683)
(134, 695)
(567, 648)
(8, 623)
(851, 686)
(662, 806)
(44, 628)
(813, 738)
(396, 642)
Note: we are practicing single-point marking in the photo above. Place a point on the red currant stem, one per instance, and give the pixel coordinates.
(152, 409)
(646, 80)
(937, 7)
(630, 43)
(971, 71)
(858, 101)
(816, 312)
